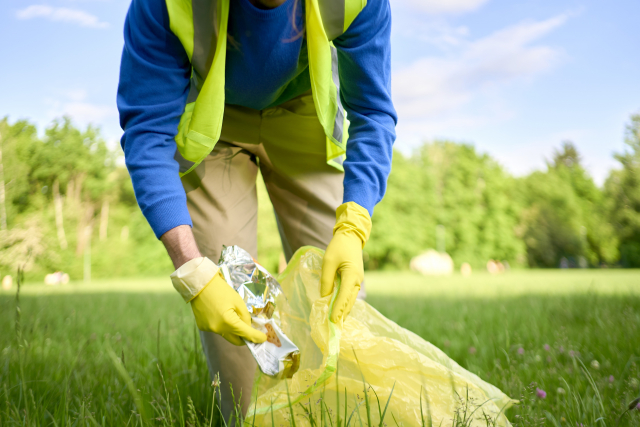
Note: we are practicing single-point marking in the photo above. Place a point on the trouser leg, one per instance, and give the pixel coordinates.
(305, 191)
(305, 208)
(222, 202)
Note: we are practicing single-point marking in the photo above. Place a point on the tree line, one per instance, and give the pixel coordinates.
(67, 204)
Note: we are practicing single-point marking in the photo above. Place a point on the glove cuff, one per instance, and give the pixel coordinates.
(351, 216)
(190, 279)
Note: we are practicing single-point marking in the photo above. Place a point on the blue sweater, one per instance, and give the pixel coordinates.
(262, 72)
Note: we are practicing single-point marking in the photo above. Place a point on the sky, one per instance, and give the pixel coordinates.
(513, 78)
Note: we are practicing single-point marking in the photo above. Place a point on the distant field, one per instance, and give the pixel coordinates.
(514, 330)
(513, 283)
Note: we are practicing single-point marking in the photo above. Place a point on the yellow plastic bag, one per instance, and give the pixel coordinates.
(368, 346)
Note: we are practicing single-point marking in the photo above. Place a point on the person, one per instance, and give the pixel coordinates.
(212, 92)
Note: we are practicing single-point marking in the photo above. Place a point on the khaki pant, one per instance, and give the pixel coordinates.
(287, 144)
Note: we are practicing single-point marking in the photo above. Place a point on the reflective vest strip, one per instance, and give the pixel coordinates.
(205, 37)
(340, 116)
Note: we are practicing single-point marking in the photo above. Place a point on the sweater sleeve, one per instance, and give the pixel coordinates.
(152, 92)
(364, 60)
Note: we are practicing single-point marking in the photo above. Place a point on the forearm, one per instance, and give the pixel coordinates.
(181, 245)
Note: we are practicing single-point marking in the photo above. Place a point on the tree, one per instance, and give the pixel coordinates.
(623, 193)
(403, 223)
(564, 214)
(473, 202)
(79, 161)
(15, 169)
(448, 184)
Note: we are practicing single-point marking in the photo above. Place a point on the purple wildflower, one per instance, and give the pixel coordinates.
(547, 347)
(541, 394)
(611, 378)
(521, 351)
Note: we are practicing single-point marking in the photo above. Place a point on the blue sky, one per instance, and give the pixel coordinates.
(515, 78)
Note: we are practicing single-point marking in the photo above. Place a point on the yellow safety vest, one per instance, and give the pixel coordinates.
(201, 26)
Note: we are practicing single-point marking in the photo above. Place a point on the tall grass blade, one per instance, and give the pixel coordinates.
(137, 399)
(337, 395)
(387, 405)
(18, 324)
(255, 405)
(357, 409)
(322, 411)
(345, 406)
(377, 400)
(421, 413)
(328, 417)
(293, 418)
(426, 399)
(394, 419)
(180, 406)
(309, 413)
(158, 342)
(593, 385)
(364, 389)
(166, 391)
(313, 422)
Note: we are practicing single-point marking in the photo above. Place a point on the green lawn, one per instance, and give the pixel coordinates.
(520, 331)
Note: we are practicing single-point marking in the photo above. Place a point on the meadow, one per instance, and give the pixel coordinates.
(564, 343)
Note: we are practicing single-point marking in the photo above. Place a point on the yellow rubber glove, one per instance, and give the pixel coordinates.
(344, 257)
(218, 308)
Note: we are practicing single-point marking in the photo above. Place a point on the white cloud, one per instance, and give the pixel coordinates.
(86, 112)
(463, 86)
(74, 104)
(62, 14)
(76, 94)
(443, 6)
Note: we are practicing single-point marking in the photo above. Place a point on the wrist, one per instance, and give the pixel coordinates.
(183, 258)
(353, 218)
(181, 245)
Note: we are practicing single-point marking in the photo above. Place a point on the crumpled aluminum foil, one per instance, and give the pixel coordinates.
(256, 286)
(259, 291)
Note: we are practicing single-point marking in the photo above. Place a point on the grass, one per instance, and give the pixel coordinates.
(126, 352)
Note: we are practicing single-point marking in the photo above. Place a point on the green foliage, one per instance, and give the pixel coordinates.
(66, 196)
(449, 184)
(15, 169)
(402, 222)
(623, 193)
(68, 155)
(564, 215)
